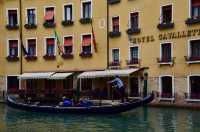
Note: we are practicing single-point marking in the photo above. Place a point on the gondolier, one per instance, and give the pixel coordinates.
(119, 85)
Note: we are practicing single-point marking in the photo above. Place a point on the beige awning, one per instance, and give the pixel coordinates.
(40, 75)
(58, 76)
(107, 73)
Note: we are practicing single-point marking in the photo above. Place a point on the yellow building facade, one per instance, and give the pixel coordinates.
(161, 36)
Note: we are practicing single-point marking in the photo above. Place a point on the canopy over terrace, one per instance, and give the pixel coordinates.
(108, 73)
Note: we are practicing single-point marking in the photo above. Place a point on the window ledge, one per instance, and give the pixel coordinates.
(67, 22)
(30, 26)
(113, 1)
(192, 100)
(49, 25)
(132, 62)
(191, 60)
(114, 34)
(67, 56)
(114, 63)
(49, 57)
(162, 61)
(30, 58)
(12, 27)
(166, 99)
(85, 20)
(83, 54)
(131, 31)
(192, 21)
(12, 58)
(163, 26)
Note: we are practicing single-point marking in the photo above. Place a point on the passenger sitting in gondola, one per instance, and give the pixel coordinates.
(118, 84)
(85, 103)
(66, 102)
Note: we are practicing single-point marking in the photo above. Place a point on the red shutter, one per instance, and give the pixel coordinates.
(68, 41)
(115, 21)
(86, 40)
(50, 41)
(13, 44)
(195, 2)
(49, 15)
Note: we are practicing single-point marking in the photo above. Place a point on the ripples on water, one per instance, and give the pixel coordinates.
(139, 120)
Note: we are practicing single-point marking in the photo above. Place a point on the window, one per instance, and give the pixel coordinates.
(12, 84)
(134, 20)
(194, 87)
(50, 46)
(49, 15)
(68, 45)
(134, 53)
(115, 55)
(68, 12)
(115, 24)
(166, 14)
(86, 9)
(31, 17)
(166, 52)
(195, 49)
(12, 18)
(195, 9)
(86, 44)
(166, 84)
(13, 48)
(31, 43)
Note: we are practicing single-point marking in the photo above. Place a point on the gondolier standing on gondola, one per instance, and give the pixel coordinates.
(119, 85)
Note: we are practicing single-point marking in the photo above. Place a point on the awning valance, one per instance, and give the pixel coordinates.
(41, 75)
(107, 73)
(58, 76)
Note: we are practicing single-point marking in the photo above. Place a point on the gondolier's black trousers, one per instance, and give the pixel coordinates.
(122, 93)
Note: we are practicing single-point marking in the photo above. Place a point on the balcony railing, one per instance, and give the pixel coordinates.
(114, 34)
(12, 27)
(49, 57)
(192, 59)
(67, 23)
(85, 54)
(133, 61)
(131, 31)
(31, 57)
(193, 20)
(166, 61)
(114, 63)
(67, 56)
(12, 58)
(30, 26)
(163, 26)
(85, 20)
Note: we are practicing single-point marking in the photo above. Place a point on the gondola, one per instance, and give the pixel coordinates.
(99, 109)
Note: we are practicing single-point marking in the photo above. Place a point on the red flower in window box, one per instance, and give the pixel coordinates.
(12, 58)
(49, 57)
(67, 56)
(30, 58)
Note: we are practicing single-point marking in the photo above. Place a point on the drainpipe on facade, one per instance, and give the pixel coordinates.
(20, 33)
(108, 42)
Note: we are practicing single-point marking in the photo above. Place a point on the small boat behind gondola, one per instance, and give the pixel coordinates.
(96, 109)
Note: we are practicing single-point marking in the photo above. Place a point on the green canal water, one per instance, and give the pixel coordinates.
(138, 120)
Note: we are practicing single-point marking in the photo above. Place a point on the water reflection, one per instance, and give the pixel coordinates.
(139, 120)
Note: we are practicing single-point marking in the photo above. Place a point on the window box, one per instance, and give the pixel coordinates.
(49, 57)
(114, 34)
(132, 61)
(85, 20)
(85, 54)
(67, 56)
(12, 27)
(163, 26)
(30, 26)
(191, 21)
(192, 59)
(131, 31)
(165, 61)
(49, 24)
(113, 1)
(114, 63)
(67, 22)
(12, 58)
(30, 58)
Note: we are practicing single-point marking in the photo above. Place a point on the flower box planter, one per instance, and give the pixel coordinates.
(114, 34)
(191, 21)
(30, 58)
(12, 27)
(113, 1)
(30, 26)
(67, 23)
(163, 26)
(67, 56)
(85, 54)
(85, 20)
(131, 31)
(132, 62)
(49, 57)
(12, 58)
(49, 25)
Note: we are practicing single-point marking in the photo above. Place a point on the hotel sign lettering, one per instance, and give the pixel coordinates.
(166, 36)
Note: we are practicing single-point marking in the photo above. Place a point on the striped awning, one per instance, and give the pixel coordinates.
(58, 76)
(108, 73)
(40, 75)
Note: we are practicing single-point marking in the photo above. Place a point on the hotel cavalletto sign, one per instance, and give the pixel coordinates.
(165, 36)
